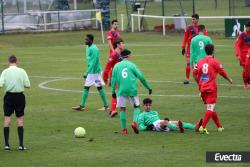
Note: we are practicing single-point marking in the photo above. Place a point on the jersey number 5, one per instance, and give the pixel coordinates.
(124, 73)
(205, 68)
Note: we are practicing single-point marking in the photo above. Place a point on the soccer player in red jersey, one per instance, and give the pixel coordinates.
(113, 34)
(242, 47)
(114, 58)
(190, 32)
(205, 73)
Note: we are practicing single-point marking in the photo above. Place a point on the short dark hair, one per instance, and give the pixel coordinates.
(209, 48)
(90, 36)
(166, 119)
(12, 59)
(125, 53)
(248, 24)
(117, 42)
(147, 101)
(113, 21)
(201, 28)
(195, 16)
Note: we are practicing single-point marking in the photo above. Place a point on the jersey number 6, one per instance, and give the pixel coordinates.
(124, 73)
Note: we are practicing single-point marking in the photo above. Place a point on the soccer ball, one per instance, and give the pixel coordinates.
(80, 132)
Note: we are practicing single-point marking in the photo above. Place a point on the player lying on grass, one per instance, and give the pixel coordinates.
(150, 120)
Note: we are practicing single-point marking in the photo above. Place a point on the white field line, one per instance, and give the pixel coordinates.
(42, 85)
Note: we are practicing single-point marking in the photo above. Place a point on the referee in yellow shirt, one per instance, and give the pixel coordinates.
(14, 80)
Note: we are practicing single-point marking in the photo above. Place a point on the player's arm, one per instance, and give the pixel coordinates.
(142, 126)
(195, 73)
(142, 79)
(111, 45)
(108, 67)
(184, 41)
(92, 62)
(192, 49)
(222, 72)
(2, 78)
(113, 79)
(238, 46)
(26, 80)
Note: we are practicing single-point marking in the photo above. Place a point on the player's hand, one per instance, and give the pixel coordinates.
(114, 95)
(150, 127)
(183, 51)
(150, 91)
(238, 57)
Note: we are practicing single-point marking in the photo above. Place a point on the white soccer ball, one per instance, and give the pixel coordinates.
(80, 132)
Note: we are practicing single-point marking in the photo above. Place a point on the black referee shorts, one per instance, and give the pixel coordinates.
(14, 102)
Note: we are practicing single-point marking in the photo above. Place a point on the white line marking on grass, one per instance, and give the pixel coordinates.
(42, 85)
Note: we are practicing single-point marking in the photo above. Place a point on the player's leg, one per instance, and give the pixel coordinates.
(8, 111)
(134, 100)
(103, 97)
(188, 68)
(187, 125)
(19, 109)
(121, 103)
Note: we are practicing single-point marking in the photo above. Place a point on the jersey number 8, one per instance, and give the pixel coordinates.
(205, 68)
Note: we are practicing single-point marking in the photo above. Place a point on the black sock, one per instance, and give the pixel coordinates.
(6, 131)
(20, 135)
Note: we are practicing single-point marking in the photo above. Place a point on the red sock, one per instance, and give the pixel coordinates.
(245, 76)
(113, 104)
(188, 69)
(216, 119)
(207, 116)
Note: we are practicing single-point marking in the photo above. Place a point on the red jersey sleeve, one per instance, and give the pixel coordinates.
(109, 65)
(219, 68)
(185, 38)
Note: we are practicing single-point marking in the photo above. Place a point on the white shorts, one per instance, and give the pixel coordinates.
(122, 101)
(157, 127)
(94, 80)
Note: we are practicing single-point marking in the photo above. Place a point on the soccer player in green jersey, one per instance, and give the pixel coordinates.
(150, 120)
(125, 74)
(198, 43)
(92, 75)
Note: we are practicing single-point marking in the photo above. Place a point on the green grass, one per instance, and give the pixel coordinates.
(50, 122)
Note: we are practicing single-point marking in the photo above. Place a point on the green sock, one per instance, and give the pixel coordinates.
(103, 96)
(188, 125)
(123, 119)
(85, 94)
(136, 114)
(173, 127)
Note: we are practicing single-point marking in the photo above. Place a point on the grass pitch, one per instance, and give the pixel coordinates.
(55, 61)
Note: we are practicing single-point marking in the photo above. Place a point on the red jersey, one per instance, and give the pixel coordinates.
(206, 71)
(242, 46)
(190, 32)
(112, 35)
(114, 58)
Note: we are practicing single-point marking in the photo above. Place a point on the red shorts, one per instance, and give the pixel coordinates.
(209, 97)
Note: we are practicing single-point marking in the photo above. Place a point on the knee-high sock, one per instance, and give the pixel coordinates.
(245, 76)
(6, 132)
(173, 126)
(188, 125)
(136, 113)
(20, 135)
(123, 119)
(85, 94)
(188, 69)
(207, 116)
(103, 97)
(216, 120)
(113, 104)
